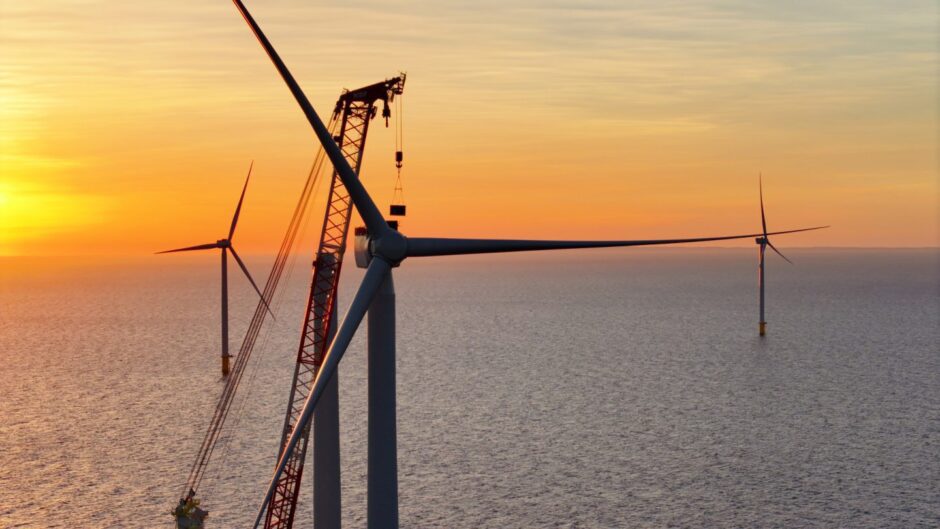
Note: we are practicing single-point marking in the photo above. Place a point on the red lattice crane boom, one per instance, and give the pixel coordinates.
(356, 109)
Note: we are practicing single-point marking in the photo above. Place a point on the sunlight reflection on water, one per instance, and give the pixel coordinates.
(606, 389)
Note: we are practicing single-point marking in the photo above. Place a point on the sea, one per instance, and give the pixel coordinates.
(623, 388)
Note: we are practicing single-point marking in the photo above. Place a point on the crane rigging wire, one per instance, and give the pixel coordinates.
(316, 169)
(223, 407)
(290, 238)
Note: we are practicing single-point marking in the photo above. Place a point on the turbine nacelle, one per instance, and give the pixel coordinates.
(223, 243)
(361, 248)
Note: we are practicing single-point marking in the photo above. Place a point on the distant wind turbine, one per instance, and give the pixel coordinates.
(764, 241)
(226, 246)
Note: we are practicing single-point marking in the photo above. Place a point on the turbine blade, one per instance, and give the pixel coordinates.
(250, 280)
(367, 209)
(238, 209)
(430, 246)
(760, 187)
(371, 282)
(192, 248)
(774, 248)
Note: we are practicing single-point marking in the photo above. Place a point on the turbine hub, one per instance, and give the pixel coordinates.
(391, 247)
(224, 243)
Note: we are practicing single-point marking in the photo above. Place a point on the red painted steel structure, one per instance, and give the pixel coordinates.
(357, 108)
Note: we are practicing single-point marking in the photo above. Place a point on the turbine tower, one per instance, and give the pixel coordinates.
(763, 242)
(381, 248)
(226, 246)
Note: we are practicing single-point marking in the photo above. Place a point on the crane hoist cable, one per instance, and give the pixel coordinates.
(397, 207)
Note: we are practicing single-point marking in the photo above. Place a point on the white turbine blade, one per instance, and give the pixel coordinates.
(250, 280)
(374, 277)
(193, 248)
(238, 209)
(424, 246)
(774, 248)
(367, 209)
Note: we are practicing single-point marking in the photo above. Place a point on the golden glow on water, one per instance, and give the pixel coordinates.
(670, 408)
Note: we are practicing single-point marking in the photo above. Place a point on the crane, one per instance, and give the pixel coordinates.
(356, 109)
(352, 114)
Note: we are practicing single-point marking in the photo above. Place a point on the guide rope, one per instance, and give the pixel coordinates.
(253, 372)
(223, 407)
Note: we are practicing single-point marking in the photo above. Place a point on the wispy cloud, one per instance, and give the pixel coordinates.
(108, 98)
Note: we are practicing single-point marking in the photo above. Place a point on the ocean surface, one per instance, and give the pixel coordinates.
(598, 389)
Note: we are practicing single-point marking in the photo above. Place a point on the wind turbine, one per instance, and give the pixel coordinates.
(380, 249)
(226, 246)
(763, 242)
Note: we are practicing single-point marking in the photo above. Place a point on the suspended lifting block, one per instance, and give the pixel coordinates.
(397, 209)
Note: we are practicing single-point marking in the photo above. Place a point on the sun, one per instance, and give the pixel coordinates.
(32, 215)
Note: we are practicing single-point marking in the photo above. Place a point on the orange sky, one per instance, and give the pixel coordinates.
(127, 127)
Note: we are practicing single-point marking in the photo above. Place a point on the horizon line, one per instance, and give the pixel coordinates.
(658, 248)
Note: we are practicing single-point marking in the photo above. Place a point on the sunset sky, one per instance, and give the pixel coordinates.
(128, 127)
